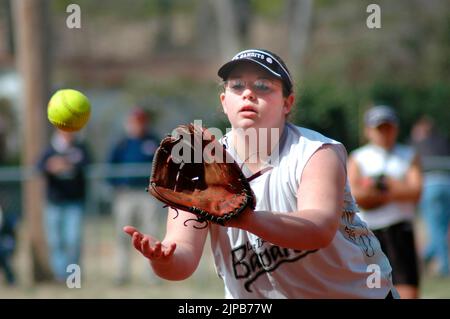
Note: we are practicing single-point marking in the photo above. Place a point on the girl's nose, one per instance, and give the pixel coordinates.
(248, 93)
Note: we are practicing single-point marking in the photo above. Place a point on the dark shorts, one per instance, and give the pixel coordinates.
(397, 242)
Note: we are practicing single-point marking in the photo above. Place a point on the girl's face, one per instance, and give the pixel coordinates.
(254, 98)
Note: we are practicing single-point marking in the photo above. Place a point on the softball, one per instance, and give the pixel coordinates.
(69, 110)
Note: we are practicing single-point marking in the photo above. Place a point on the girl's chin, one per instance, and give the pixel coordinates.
(246, 123)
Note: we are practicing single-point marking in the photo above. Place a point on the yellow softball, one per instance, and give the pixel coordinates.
(69, 110)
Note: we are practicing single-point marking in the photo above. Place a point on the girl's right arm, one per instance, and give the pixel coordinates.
(178, 255)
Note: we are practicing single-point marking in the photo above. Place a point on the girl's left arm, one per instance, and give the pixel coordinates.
(320, 197)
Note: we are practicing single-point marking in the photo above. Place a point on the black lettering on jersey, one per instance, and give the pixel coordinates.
(250, 264)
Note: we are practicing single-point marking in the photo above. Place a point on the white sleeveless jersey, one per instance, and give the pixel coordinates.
(352, 266)
(373, 160)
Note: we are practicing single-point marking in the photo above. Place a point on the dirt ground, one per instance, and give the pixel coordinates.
(98, 274)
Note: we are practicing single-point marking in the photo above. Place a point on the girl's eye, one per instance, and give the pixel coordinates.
(237, 85)
(262, 86)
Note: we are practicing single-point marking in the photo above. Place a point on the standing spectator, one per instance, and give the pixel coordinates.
(386, 181)
(132, 204)
(64, 164)
(7, 246)
(435, 203)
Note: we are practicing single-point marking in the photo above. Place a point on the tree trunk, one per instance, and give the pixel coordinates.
(300, 13)
(32, 52)
(227, 31)
(165, 32)
(9, 29)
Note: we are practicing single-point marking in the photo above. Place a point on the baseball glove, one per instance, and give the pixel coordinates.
(192, 171)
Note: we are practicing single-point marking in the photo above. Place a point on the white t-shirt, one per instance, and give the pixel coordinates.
(254, 268)
(373, 160)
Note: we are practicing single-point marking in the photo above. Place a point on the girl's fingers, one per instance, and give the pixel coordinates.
(146, 250)
(170, 250)
(130, 230)
(157, 252)
(137, 240)
(143, 244)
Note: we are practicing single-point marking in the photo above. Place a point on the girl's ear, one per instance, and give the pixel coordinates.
(288, 103)
(222, 101)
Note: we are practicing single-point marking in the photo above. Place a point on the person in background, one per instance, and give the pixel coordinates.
(386, 181)
(63, 164)
(131, 203)
(7, 246)
(435, 202)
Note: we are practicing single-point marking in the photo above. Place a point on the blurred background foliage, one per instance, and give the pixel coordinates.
(164, 54)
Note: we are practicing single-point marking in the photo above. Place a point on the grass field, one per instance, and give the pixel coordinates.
(98, 272)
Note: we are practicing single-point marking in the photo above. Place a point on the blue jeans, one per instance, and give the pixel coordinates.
(435, 207)
(64, 235)
(5, 263)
